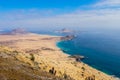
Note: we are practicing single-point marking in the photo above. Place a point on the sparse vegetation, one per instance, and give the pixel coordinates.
(52, 71)
(83, 68)
(12, 69)
(40, 60)
(32, 57)
(90, 78)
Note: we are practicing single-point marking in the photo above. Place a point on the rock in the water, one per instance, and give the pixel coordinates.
(77, 57)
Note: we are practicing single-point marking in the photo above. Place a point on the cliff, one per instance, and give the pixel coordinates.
(34, 54)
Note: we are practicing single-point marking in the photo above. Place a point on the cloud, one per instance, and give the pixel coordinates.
(108, 4)
(107, 18)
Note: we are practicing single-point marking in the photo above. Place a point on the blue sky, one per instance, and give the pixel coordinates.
(58, 6)
(60, 13)
(43, 4)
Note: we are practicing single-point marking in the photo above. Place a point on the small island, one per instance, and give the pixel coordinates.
(65, 30)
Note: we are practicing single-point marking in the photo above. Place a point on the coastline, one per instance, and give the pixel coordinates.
(82, 61)
(48, 55)
(68, 51)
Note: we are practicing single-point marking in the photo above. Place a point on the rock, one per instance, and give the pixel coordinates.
(77, 57)
(68, 37)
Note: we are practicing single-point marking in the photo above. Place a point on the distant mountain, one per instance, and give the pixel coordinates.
(64, 30)
(17, 31)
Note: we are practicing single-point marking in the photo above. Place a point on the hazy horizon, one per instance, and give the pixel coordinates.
(81, 14)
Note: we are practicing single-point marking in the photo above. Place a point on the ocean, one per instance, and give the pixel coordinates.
(101, 50)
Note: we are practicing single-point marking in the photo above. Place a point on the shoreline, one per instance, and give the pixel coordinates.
(117, 78)
(95, 67)
(81, 60)
(48, 54)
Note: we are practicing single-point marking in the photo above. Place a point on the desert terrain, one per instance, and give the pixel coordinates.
(40, 53)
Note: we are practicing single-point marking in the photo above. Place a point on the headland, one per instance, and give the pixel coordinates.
(41, 53)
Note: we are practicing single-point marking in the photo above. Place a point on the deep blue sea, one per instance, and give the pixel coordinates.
(102, 50)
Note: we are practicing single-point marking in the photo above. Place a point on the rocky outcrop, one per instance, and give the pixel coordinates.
(77, 57)
(68, 37)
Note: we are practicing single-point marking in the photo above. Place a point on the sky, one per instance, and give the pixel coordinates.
(43, 4)
(83, 14)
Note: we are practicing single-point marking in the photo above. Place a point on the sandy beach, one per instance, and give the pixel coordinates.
(46, 55)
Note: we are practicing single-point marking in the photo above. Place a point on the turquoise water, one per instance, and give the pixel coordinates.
(102, 50)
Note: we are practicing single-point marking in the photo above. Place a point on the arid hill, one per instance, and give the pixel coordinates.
(13, 69)
(36, 57)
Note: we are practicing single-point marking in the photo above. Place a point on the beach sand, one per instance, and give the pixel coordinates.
(41, 51)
